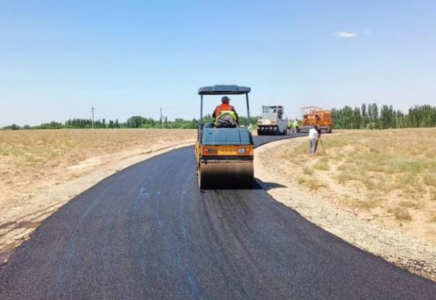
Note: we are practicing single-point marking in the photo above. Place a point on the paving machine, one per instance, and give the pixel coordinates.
(312, 115)
(224, 155)
(273, 121)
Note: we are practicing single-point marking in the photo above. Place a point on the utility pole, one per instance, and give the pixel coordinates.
(92, 110)
(161, 117)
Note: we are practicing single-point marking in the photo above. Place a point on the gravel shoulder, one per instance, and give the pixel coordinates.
(271, 170)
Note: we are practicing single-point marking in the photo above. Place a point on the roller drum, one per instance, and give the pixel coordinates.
(226, 173)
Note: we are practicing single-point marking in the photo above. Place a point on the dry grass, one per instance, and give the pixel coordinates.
(308, 170)
(30, 160)
(387, 160)
(433, 194)
(430, 180)
(313, 184)
(387, 175)
(38, 147)
(310, 183)
(361, 204)
(368, 203)
(402, 214)
(301, 180)
(322, 164)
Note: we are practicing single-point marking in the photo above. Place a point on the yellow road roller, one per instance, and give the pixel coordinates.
(224, 154)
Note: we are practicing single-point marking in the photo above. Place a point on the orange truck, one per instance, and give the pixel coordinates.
(312, 115)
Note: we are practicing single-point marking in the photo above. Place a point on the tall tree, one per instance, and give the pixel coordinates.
(363, 110)
(374, 109)
(370, 111)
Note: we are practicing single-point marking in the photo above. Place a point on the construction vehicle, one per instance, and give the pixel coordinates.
(273, 121)
(224, 155)
(312, 115)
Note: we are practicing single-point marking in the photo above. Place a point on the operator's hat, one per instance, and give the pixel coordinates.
(225, 99)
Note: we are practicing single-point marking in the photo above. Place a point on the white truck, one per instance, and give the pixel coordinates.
(273, 121)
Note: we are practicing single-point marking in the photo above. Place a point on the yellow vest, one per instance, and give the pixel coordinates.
(231, 113)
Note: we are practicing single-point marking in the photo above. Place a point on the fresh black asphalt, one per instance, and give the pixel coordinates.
(148, 232)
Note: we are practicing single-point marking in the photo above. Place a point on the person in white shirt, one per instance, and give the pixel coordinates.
(313, 139)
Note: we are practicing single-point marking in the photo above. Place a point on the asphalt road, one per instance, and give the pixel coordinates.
(148, 232)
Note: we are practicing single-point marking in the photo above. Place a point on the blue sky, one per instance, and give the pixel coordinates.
(59, 58)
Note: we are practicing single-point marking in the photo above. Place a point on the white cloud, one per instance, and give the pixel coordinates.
(346, 35)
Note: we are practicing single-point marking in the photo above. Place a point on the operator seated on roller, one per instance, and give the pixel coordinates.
(225, 115)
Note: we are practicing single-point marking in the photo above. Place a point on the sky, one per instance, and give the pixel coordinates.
(125, 58)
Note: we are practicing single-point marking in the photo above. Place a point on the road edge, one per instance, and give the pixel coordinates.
(62, 194)
(412, 255)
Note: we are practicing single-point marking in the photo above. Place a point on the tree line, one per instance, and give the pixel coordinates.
(132, 122)
(72, 123)
(371, 117)
(368, 116)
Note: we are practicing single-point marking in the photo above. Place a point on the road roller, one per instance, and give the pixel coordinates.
(224, 154)
(273, 121)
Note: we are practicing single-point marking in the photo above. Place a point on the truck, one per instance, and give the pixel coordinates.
(273, 121)
(313, 115)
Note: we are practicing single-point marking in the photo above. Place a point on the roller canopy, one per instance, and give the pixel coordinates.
(223, 90)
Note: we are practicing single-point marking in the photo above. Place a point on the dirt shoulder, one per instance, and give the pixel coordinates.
(43, 170)
(272, 165)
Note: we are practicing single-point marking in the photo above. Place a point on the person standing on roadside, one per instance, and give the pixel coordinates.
(314, 135)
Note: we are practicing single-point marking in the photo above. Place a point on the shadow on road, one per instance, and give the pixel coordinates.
(268, 185)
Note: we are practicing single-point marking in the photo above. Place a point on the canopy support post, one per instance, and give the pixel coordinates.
(201, 111)
(248, 110)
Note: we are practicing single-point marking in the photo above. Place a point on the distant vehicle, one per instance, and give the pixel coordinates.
(312, 115)
(273, 121)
